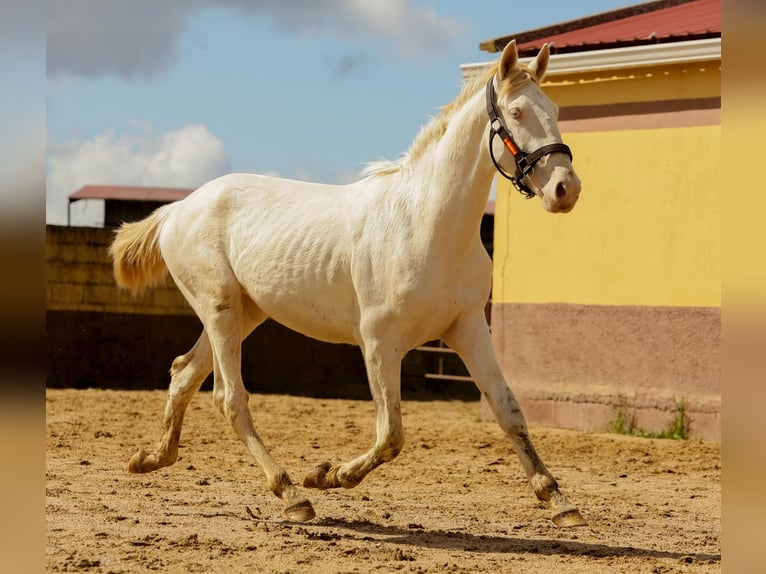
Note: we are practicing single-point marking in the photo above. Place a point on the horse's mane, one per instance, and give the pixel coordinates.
(433, 131)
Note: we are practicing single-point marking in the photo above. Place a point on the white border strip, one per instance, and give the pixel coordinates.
(620, 58)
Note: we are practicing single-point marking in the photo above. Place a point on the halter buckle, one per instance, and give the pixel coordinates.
(523, 167)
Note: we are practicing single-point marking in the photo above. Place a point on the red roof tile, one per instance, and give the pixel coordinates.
(651, 22)
(130, 193)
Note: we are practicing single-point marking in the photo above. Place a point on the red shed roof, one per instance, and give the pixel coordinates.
(648, 23)
(130, 193)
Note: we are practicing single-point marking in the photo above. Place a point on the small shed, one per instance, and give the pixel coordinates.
(126, 203)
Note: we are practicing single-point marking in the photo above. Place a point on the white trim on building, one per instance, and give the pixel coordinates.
(620, 58)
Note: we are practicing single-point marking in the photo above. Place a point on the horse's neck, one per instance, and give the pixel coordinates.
(454, 178)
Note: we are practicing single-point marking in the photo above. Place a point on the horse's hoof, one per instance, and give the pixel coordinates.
(137, 464)
(316, 478)
(569, 518)
(300, 511)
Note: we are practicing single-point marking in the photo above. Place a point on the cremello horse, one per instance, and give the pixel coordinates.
(385, 263)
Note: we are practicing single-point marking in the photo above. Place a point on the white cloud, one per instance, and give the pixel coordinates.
(187, 157)
(139, 38)
(417, 30)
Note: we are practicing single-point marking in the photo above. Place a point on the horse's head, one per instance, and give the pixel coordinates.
(525, 121)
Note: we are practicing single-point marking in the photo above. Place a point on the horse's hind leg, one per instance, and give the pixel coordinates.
(188, 372)
(470, 337)
(187, 375)
(230, 396)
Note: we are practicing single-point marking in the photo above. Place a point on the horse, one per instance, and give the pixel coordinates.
(386, 263)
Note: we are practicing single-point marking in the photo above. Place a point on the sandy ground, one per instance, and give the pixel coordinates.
(455, 500)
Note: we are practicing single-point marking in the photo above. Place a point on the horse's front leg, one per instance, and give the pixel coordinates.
(470, 337)
(383, 371)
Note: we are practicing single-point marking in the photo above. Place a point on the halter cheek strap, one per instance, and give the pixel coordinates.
(525, 162)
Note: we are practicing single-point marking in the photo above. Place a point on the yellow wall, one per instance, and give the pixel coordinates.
(645, 231)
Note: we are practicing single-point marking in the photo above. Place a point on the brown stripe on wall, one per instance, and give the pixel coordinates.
(636, 346)
(638, 108)
(569, 354)
(641, 115)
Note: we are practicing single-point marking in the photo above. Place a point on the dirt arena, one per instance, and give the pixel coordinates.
(455, 500)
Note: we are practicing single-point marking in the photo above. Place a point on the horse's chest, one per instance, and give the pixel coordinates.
(432, 304)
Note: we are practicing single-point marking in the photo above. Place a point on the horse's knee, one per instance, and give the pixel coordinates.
(193, 366)
(218, 400)
(179, 364)
(186, 374)
(509, 415)
(233, 404)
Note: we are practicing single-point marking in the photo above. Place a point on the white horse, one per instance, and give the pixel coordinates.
(385, 263)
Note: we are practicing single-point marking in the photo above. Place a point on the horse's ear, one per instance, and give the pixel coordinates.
(540, 64)
(508, 60)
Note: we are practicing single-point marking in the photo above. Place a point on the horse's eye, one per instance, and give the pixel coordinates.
(515, 113)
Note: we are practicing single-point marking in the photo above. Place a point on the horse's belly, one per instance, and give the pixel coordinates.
(322, 322)
(301, 280)
(322, 310)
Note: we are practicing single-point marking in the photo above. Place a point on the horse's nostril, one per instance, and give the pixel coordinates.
(561, 190)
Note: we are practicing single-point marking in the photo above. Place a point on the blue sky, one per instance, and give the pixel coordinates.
(177, 92)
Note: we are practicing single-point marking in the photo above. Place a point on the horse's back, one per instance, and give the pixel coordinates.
(256, 210)
(287, 244)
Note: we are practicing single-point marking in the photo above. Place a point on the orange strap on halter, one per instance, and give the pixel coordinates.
(511, 146)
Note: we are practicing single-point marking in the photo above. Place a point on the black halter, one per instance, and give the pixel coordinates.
(525, 162)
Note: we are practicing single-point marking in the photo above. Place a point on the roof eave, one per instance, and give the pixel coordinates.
(620, 58)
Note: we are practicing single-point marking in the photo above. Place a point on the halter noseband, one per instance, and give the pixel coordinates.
(525, 162)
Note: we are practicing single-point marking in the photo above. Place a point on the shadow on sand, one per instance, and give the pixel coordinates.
(416, 535)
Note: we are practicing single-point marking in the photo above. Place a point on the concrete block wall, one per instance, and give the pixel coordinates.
(80, 277)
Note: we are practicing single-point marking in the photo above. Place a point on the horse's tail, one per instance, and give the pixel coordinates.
(136, 255)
